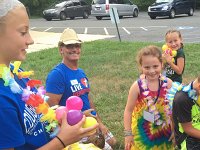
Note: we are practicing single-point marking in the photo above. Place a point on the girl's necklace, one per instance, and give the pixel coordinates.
(35, 99)
(151, 102)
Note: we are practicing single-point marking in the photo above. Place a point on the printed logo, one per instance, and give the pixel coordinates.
(84, 82)
(74, 82)
(31, 120)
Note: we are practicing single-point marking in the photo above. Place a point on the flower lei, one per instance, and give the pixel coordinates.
(176, 86)
(150, 102)
(37, 100)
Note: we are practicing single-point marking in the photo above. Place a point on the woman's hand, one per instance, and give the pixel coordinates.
(128, 142)
(71, 134)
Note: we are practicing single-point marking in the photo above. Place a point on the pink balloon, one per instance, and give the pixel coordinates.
(74, 103)
(59, 112)
(74, 116)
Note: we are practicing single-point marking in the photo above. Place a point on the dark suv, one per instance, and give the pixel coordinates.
(67, 9)
(171, 8)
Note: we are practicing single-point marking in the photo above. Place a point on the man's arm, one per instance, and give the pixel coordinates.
(54, 99)
(93, 107)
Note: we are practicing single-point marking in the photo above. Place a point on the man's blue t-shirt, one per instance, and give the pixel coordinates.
(68, 82)
(20, 127)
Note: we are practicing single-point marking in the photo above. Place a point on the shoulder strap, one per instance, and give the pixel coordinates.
(181, 138)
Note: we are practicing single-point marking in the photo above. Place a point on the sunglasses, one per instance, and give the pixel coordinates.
(71, 46)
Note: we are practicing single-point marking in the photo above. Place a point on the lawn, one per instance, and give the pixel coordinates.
(111, 69)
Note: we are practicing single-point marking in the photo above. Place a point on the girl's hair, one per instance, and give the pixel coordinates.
(174, 31)
(6, 6)
(198, 78)
(149, 50)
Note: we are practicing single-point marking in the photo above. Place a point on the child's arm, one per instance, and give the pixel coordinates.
(131, 102)
(190, 130)
(180, 63)
(172, 138)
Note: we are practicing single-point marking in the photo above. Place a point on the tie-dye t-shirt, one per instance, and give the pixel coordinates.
(147, 135)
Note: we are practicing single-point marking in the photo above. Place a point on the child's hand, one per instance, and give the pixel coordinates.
(128, 142)
(167, 58)
(172, 138)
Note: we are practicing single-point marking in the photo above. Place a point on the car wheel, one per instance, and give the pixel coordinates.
(62, 16)
(72, 18)
(99, 17)
(191, 12)
(135, 13)
(85, 15)
(153, 17)
(48, 19)
(172, 14)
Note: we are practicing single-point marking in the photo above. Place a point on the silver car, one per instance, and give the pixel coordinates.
(100, 8)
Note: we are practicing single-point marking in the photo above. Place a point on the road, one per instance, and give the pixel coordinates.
(141, 28)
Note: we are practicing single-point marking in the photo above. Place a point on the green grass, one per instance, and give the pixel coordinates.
(111, 69)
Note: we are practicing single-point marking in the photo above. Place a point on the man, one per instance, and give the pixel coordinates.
(66, 79)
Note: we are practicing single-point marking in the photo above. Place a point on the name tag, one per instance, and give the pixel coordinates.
(148, 116)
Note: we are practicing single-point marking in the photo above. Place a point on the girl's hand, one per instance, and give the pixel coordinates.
(71, 134)
(172, 139)
(128, 142)
(167, 58)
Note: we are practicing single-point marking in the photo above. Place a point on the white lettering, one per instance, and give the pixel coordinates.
(76, 88)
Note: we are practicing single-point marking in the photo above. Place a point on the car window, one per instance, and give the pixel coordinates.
(113, 1)
(76, 3)
(61, 4)
(83, 3)
(98, 1)
(120, 1)
(127, 2)
(164, 1)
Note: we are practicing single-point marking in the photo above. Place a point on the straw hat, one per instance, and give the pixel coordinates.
(69, 36)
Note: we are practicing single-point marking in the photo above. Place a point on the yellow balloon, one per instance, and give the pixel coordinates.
(90, 121)
(198, 101)
(174, 53)
(164, 47)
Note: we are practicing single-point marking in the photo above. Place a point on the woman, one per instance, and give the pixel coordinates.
(20, 126)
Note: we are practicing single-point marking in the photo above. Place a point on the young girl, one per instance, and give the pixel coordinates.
(174, 70)
(147, 112)
(20, 127)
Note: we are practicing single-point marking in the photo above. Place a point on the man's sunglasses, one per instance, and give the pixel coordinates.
(71, 46)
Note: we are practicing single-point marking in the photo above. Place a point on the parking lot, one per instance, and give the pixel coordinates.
(141, 28)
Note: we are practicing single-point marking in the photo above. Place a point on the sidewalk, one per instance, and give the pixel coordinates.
(45, 40)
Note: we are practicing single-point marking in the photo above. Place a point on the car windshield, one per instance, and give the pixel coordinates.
(98, 2)
(163, 1)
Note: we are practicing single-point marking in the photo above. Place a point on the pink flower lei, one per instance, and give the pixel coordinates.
(151, 102)
(37, 100)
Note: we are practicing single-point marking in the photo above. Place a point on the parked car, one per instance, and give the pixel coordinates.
(100, 8)
(171, 8)
(67, 9)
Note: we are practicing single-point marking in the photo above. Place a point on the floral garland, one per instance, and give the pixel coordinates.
(151, 102)
(176, 86)
(37, 100)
